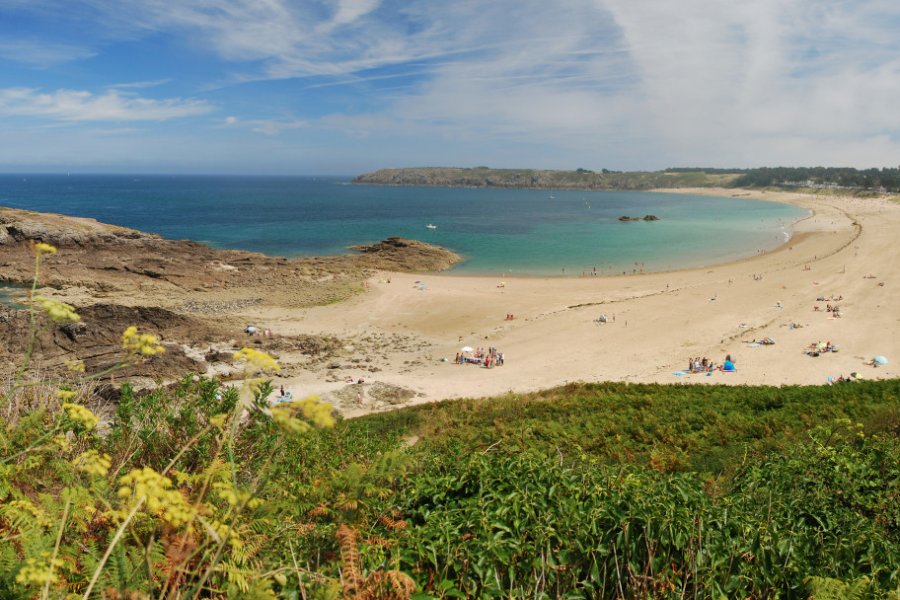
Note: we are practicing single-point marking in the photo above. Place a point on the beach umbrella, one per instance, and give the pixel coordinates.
(466, 349)
(881, 360)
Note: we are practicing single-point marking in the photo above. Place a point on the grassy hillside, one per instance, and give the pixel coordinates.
(606, 490)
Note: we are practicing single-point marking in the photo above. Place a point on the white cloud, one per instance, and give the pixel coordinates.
(347, 12)
(75, 105)
(273, 127)
(615, 83)
(708, 82)
(139, 85)
(39, 54)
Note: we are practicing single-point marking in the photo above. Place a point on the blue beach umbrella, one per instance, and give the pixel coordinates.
(881, 360)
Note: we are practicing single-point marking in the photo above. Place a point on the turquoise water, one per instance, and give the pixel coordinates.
(12, 295)
(498, 231)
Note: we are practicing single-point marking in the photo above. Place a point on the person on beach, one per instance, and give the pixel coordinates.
(729, 364)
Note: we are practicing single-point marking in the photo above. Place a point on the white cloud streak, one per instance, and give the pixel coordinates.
(614, 83)
(80, 106)
(41, 55)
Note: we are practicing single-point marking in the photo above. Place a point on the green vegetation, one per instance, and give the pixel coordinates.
(583, 491)
(883, 180)
(795, 178)
(580, 179)
(587, 491)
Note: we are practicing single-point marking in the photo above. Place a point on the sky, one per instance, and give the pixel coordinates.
(347, 86)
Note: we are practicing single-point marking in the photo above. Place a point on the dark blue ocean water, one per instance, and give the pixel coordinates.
(498, 231)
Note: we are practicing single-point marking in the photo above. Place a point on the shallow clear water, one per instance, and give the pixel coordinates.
(497, 230)
(12, 295)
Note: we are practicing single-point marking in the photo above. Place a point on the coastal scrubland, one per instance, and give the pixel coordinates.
(602, 490)
(885, 180)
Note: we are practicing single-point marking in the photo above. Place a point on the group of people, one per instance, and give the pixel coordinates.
(705, 365)
(510, 317)
(489, 359)
(820, 348)
(256, 331)
(834, 310)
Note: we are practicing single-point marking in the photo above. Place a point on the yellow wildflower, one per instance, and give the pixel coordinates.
(161, 500)
(142, 344)
(41, 248)
(320, 414)
(226, 492)
(39, 572)
(62, 442)
(313, 411)
(75, 365)
(66, 394)
(219, 420)
(60, 312)
(81, 414)
(257, 359)
(284, 418)
(93, 463)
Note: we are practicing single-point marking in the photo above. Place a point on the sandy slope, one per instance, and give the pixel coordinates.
(660, 319)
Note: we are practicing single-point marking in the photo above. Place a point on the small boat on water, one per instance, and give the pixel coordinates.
(430, 226)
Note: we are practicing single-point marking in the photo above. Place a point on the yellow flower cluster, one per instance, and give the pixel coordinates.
(41, 248)
(81, 414)
(93, 463)
(162, 501)
(75, 365)
(256, 359)
(39, 572)
(143, 344)
(320, 414)
(233, 496)
(62, 442)
(59, 312)
(66, 394)
(284, 417)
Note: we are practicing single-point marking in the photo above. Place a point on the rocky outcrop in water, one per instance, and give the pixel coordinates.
(625, 219)
(401, 254)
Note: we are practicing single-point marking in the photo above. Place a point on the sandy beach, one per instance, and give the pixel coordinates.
(847, 249)
(399, 333)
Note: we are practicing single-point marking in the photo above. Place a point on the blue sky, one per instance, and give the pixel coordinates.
(342, 87)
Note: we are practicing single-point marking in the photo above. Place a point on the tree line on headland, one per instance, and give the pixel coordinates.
(885, 180)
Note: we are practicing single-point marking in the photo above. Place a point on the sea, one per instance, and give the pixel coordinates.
(499, 232)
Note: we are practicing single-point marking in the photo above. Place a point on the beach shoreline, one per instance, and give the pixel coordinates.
(393, 341)
(657, 321)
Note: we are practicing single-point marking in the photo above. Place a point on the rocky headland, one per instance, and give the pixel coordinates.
(192, 296)
(579, 179)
